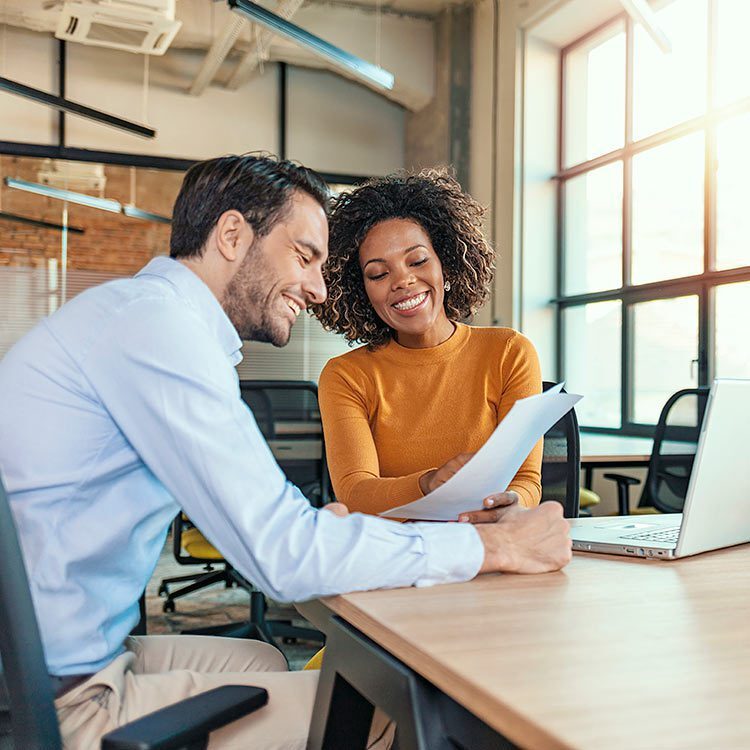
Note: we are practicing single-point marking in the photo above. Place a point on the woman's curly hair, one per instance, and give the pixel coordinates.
(453, 220)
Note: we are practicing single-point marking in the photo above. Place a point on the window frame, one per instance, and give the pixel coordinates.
(704, 284)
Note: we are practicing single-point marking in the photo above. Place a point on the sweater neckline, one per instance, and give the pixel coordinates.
(405, 355)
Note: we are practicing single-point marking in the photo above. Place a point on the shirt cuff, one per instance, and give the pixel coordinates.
(454, 553)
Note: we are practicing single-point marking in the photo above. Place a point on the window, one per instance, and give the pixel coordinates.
(654, 243)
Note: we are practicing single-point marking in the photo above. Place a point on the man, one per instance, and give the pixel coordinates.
(124, 406)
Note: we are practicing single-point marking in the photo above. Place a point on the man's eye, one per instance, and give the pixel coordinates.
(304, 258)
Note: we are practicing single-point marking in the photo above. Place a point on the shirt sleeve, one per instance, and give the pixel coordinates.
(173, 393)
(522, 377)
(350, 448)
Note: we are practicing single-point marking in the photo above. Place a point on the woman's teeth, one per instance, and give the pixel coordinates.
(409, 304)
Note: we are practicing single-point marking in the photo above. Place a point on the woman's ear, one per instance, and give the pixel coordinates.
(233, 235)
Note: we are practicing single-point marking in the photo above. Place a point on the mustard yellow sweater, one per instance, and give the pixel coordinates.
(393, 414)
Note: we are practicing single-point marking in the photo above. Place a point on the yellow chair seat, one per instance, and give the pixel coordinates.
(644, 511)
(587, 498)
(196, 545)
(316, 662)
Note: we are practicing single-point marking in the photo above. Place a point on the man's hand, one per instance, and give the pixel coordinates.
(338, 509)
(433, 479)
(533, 541)
(495, 507)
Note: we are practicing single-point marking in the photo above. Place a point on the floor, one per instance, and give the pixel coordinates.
(215, 605)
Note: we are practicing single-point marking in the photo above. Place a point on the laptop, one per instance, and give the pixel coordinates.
(716, 513)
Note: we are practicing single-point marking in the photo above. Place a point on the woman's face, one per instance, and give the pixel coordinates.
(403, 279)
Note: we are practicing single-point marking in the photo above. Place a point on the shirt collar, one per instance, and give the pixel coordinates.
(197, 293)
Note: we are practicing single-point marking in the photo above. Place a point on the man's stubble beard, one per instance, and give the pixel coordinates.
(248, 305)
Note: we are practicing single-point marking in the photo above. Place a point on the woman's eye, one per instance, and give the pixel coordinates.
(376, 277)
(420, 262)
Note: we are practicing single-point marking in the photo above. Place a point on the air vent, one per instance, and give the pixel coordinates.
(142, 26)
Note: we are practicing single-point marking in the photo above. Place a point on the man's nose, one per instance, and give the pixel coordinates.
(316, 288)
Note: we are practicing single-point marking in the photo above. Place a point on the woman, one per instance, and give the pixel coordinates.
(407, 262)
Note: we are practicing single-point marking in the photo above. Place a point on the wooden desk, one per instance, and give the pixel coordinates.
(609, 653)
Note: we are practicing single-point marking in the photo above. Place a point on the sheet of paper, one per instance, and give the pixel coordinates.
(493, 466)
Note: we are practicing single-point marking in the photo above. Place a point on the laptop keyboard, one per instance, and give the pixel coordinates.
(663, 535)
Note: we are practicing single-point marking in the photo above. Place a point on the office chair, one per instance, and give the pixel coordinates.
(561, 462)
(28, 720)
(668, 474)
(288, 416)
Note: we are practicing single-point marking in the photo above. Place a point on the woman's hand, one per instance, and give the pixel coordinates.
(495, 508)
(433, 479)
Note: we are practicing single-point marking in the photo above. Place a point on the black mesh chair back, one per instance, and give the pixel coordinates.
(561, 463)
(673, 454)
(288, 415)
(27, 711)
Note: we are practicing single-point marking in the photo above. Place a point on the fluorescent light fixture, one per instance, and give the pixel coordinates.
(4, 215)
(641, 12)
(360, 68)
(138, 213)
(105, 204)
(74, 108)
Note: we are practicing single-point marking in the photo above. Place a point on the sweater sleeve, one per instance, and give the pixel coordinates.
(350, 449)
(521, 377)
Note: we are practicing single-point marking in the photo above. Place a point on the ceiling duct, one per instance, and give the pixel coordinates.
(142, 26)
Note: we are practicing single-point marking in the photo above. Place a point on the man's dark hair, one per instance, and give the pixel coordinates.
(259, 186)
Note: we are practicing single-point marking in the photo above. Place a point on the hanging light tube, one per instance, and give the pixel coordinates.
(92, 201)
(5, 216)
(360, 68)
(74, 108)
(138, 213)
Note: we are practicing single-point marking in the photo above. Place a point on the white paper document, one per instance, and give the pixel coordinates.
(491, 469)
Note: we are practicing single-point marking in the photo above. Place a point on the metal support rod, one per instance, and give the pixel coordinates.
(61, 75)
(283, 94)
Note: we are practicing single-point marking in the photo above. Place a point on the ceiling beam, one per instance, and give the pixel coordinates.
(218, 52)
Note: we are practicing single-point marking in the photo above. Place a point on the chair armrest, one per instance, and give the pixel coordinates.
(623, 488)
(622, 478)
(187, 722)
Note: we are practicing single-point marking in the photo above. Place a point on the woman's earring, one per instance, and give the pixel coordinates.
(447, 286)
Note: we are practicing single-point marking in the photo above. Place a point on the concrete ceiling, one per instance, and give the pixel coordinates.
(396, 34)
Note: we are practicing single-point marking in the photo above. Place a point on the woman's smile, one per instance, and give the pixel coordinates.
(411, 305)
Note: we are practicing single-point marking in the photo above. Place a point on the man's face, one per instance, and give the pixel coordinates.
(280, 275)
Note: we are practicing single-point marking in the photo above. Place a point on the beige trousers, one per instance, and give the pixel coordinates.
(156, 671)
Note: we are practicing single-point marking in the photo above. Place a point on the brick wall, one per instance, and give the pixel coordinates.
(112, 243)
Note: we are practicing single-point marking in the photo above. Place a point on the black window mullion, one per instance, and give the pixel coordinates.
(560, 237)
(626, 365)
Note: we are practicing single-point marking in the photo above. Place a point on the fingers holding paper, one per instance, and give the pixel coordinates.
(433, 479)
(495, 508)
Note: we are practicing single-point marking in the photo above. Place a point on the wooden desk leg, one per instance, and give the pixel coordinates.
(358, 675)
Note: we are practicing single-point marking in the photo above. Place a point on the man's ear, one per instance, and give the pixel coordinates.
(233, 235)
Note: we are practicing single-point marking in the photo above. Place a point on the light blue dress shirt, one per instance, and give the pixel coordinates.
(123, 407)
